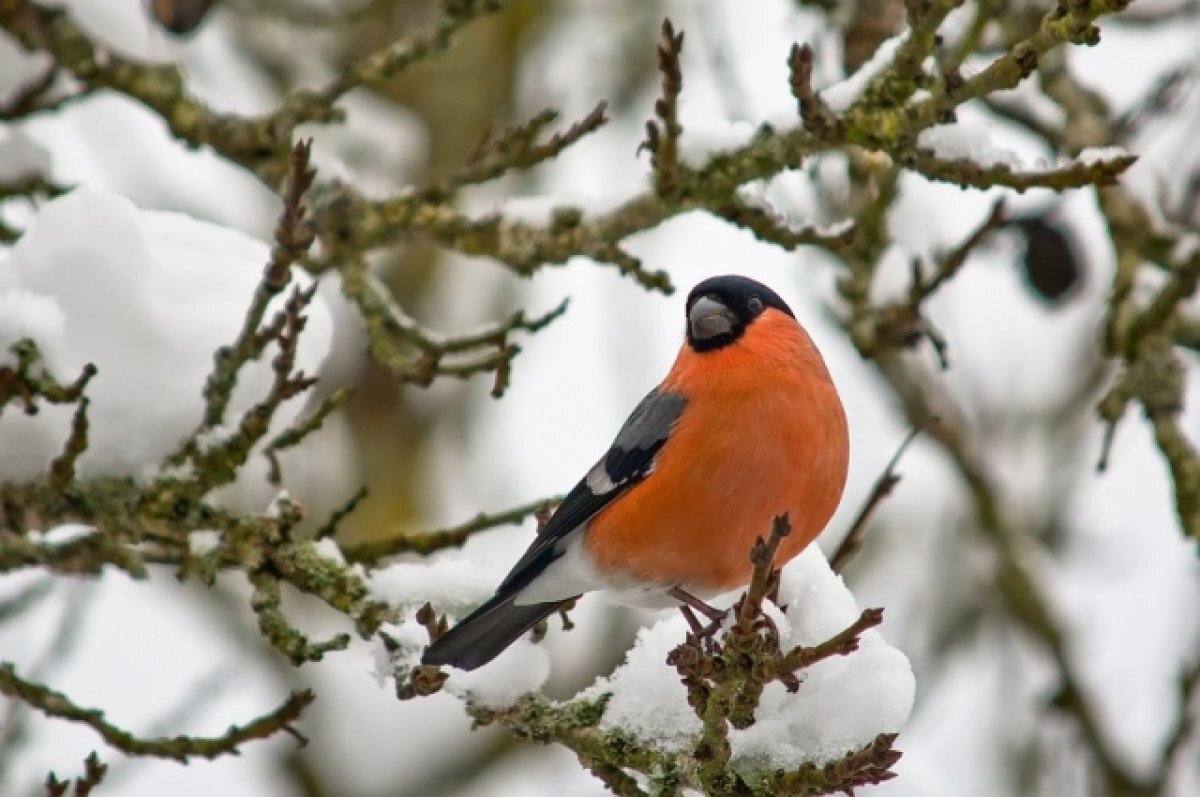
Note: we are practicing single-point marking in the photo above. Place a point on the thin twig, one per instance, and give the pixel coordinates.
(879, 491)
(662, 135)
(427, 542)
(180, 748)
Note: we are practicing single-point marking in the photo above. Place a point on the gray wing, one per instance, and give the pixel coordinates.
(630, 460)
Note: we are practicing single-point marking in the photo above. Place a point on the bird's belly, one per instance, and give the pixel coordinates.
(714, 490)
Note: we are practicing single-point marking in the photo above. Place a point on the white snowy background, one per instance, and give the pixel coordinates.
(163, 288)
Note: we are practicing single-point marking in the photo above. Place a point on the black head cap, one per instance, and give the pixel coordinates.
(720, 308)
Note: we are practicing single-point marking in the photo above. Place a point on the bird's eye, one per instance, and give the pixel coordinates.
(755, 304)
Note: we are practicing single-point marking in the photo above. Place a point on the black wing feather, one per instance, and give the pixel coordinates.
(628, 461)
(495, 625)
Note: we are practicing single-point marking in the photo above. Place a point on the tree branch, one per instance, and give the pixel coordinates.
(179, 748)
(427, 542)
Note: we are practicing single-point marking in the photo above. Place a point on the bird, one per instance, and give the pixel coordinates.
(746, 425)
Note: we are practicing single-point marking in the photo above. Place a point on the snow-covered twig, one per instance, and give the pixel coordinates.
(969, 172)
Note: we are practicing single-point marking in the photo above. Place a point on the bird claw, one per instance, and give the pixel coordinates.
(700, 632)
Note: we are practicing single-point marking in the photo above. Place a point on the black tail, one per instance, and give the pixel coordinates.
(486, 633)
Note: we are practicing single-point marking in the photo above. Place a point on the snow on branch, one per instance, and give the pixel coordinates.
(797, 694)
(757, 708)
(258, 144)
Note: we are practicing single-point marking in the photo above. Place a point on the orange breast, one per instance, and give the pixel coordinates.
(763, 432)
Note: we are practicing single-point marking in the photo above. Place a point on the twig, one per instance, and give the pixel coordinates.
(267, 604)
(291, 241)
(906, 74)
(22, 383)
(329, 528)
(768, 226)
(879, 491)
(967, 173)
(949, 265)
(417, 355)
(25, 599)
(27, 97)
(424, 679)
(93, 775)
(1067, 23)
(296, 434)
(764, 578)
(516, 148)
(62, 469)
(218, 464)
(843, 643)
(817, 117)
(575, 725)
(390, 61)
(662, 136)
(1022, 593)
(256, 143)
(427, 542)
(179, 748)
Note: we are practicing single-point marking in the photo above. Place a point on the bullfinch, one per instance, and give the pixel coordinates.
(746, 425)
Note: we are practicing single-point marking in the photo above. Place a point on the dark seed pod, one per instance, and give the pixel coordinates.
(180, 16)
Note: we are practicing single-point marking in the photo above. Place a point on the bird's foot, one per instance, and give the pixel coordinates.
(689, 605)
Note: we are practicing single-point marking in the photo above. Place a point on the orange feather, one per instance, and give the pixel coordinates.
(763, 432)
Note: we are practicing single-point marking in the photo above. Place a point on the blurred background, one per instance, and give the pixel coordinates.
(1022, 323)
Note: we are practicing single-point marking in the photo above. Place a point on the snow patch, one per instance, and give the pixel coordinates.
(704, 137)
(147, 297)
(203, 542)
(967, 141)
(843, 703)
(841, 96)
(1092, 156)
(453, 584)
(21, 158)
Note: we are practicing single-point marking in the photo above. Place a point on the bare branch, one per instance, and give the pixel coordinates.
(293, 436)
(255, 143)
(817, 117)
(882, 488)
(417, 355)
(427, 542)
(967, 173)
(93, 775)
(62, 469)
(662, 136)
(180, 748)
(24, 384)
